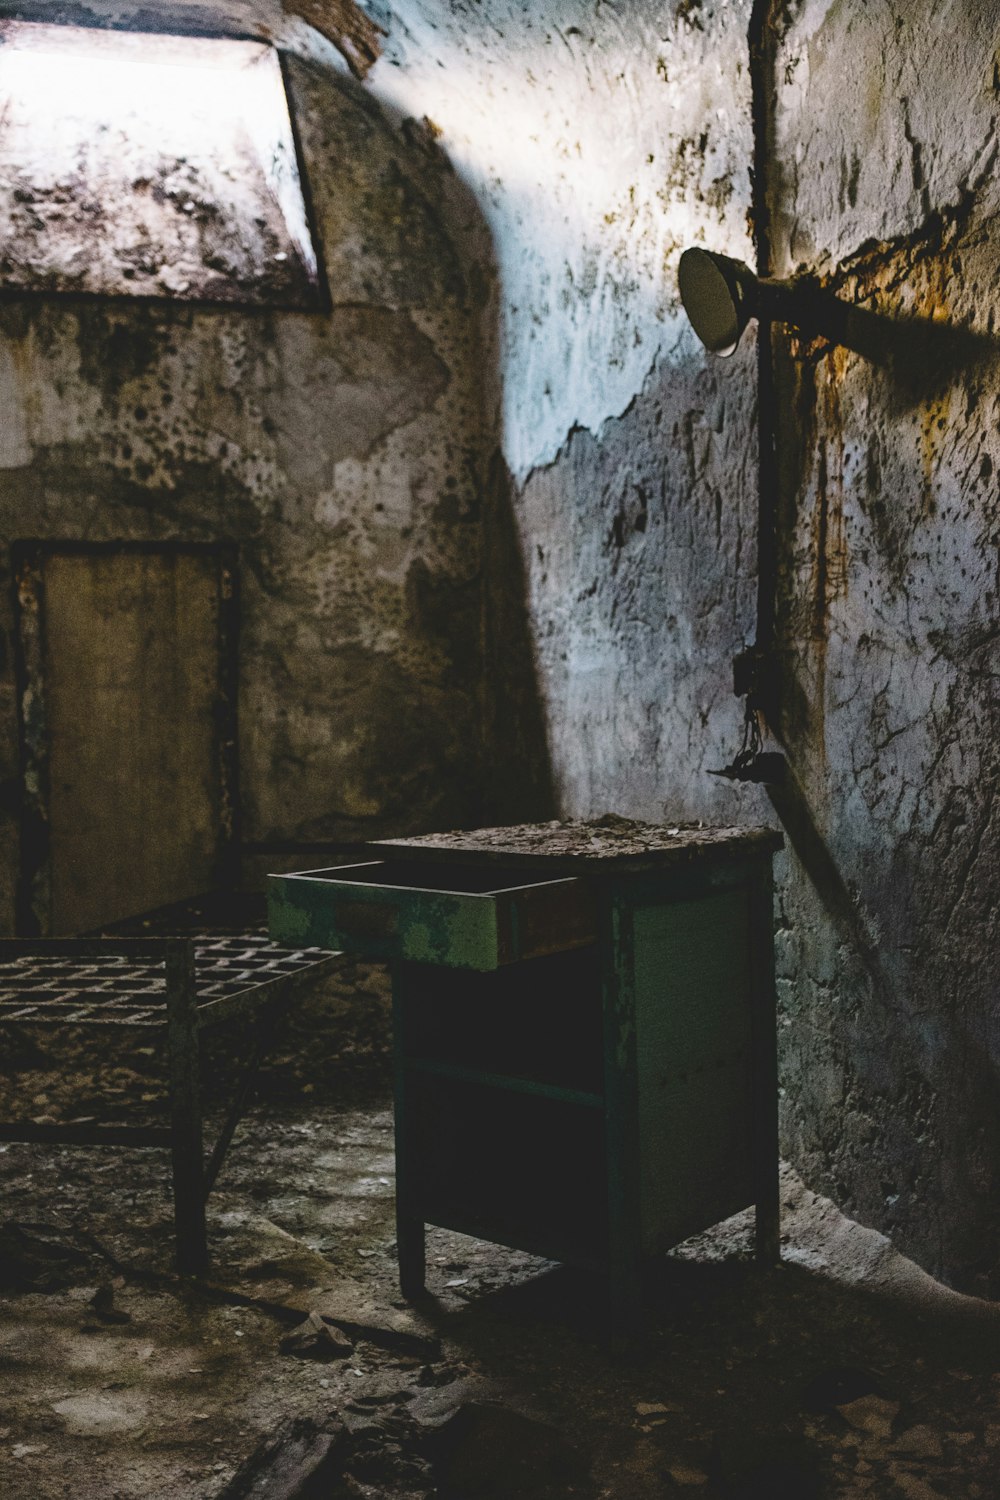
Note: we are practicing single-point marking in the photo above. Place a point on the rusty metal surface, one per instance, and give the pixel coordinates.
(51, 985)
(196, 964)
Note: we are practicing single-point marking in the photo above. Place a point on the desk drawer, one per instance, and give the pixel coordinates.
(462, 917)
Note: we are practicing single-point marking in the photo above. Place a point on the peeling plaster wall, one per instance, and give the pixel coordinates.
(343, 451)
(169, 169)
(885, 185)
(616, 464)
(600, 139)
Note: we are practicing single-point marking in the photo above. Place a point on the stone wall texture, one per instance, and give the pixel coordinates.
(341, 450)
(885, 186)
(601, 140)
(499, 508)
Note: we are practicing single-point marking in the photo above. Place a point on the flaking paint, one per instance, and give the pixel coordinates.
(620, 482)
(343, 451)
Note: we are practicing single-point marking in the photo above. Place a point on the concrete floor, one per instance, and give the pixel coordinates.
(844, 1372)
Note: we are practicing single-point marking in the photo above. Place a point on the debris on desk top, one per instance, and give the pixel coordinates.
(606, 838)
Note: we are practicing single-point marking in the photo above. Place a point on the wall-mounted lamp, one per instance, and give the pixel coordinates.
(721, 295)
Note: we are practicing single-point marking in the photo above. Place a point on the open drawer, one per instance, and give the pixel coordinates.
(461, 916)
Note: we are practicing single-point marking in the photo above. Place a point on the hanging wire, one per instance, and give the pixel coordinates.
(753, 762)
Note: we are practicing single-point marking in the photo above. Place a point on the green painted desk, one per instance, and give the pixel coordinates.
(584, 1033)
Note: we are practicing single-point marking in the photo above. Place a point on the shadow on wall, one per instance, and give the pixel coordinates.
(814, 855)
(517, 766)
(923, 357)
(516, 782)
(469, 747)
(887, 490)
(491, 658)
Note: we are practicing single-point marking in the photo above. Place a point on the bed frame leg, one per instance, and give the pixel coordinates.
(185, 1110)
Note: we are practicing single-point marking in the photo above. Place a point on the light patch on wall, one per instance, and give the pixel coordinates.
(596, 152)
(151, 166)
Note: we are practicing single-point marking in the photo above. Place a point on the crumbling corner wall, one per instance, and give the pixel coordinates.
(343, 452)
(633, 500)
(885, 187)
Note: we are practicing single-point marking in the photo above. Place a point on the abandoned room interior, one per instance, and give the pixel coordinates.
(499, 749)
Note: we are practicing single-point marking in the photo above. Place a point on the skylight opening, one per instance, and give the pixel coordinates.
(150, 166)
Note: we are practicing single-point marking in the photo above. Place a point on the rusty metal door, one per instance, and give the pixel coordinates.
(128, 729)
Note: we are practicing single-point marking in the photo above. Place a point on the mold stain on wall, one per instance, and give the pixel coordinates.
(505, 402)
(342, 451)
(635, 514)
(890, 722)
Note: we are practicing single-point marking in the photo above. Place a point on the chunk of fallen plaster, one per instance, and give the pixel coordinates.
(297, 1460)
(317, 1338)
(390, 1327)
(96, 1413)
(912, 1486)
(687, 1475)
(872, 1414)
(263, 1266)
(103, 1303)
(920, 1441)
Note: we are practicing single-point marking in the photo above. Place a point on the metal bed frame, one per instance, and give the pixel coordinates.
(182, 986)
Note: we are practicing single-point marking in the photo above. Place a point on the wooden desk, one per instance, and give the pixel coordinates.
(584, 1033)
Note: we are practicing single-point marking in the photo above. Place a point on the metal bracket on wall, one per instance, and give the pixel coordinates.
(722, 294)
(755, 678)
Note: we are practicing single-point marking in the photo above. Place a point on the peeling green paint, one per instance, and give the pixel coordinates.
(287, 922)
(387, 922)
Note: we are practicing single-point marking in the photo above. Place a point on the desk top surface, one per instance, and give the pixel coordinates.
(579, 846)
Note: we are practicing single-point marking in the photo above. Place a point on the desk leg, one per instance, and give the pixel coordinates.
(412, 1262)
(765, 1070)
(409, 1224)
(621, 1121)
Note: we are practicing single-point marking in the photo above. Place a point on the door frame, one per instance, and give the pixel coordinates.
(28, 559)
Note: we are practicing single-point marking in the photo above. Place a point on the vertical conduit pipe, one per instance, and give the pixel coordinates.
(762, 49)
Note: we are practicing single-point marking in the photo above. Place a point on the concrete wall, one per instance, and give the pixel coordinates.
(343, 451)
(885, 185)
(600, 140)
(506, 347)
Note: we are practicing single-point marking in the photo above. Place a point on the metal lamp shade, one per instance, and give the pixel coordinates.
(719, 297)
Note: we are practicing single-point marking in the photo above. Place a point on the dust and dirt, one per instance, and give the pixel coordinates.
(844, 1372)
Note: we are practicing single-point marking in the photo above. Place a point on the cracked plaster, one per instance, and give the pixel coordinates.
(889, 608)
(594, 141)
(634, 502)
(341, 450)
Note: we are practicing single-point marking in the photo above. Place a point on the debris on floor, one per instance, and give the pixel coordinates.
(317, 1338)
(295, 1371)
(299, 1459)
